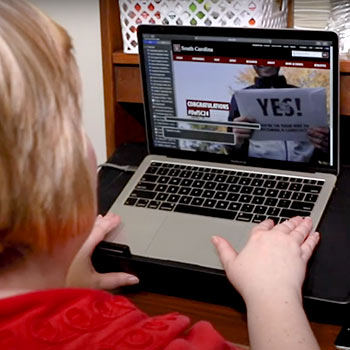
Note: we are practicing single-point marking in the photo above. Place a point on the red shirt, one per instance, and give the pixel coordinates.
(96, 320)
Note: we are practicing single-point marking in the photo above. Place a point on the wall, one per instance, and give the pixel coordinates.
(81, 19)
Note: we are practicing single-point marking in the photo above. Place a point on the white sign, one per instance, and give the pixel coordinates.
(283, 114)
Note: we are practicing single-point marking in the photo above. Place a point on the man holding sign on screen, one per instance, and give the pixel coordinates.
(292, 121)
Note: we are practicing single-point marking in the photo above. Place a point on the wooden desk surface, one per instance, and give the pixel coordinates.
(229, 322)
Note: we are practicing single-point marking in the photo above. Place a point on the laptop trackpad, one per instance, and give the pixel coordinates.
(187, 238)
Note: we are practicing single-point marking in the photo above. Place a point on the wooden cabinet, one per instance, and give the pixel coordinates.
(122, 83)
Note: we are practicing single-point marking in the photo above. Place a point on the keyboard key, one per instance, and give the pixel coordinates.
(294, 187)
(311, 188)
(186, 182)
(222, 187)
(282, 185)
(232, 179)
(173, 189)
(197, 201)
(269, 184)
(302, 205)
(143, 194)
(196, 192)
(271, 193)
(197, 175)
(224, 214)
(184, 190)
(220, 195)
(220, 178)
(258, 200)
(311, 198)
(208, 176)
(163, 179)
(174, 172)
(149, 178)
(244, 217)
(145, 186)
(234, 206)
(162, 196)
(162, 171)
(185, 200)
(208, 194)
(161, 188)
(245, 181)
(153, 204)
(270, 202)
(284, 203)
(232, 197)
(222, 204)
(175, 181)
(299, 196)
(167, 206)
(247, 189)
(130, 201)
(185, 173)
(285, 194)
(257, 182)
(151, 170)
(198, 183)
(247, 208)
(234, 188)
(155, 164)
(258, 218)
(289, 213)
(260, 209)
(173, 198)
(245, 198)
(142, 202)
(259, 191)
(210, 185)
(209, 203)
(272, 211)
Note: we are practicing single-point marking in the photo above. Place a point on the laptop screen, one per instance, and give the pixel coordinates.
(259, 97)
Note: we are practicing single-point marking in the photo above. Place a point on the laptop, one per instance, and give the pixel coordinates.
(220, 160)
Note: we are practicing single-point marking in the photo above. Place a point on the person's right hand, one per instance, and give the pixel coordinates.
(242, 134)
(273, 261)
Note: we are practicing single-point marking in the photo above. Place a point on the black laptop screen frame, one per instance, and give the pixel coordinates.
(285, 34)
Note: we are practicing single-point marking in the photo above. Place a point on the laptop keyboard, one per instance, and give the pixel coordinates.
(228, 194)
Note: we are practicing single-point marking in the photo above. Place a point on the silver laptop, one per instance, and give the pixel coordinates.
(242, 125)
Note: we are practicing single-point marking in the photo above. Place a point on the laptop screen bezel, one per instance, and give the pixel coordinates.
(286, 34)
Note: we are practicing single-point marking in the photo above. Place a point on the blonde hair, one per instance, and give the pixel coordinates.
(47, 192)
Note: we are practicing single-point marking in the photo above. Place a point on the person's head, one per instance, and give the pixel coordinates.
(266, 71)
(47, 189)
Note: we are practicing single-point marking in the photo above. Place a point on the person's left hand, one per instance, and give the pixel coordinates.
(82, 274)
(319, 137)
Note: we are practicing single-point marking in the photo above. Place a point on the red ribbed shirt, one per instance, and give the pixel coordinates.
(96, 320)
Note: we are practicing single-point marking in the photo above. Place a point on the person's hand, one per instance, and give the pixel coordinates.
(273, 261)
(242, 134)
(82, 274)
(319, 137)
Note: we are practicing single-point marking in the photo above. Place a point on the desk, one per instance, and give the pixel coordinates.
(231, 323)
